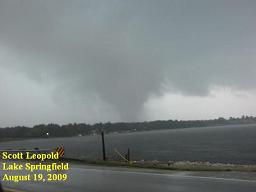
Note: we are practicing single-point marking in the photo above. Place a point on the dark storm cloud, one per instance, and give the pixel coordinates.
(123, 51)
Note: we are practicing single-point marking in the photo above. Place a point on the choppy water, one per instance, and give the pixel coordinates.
(227, 144)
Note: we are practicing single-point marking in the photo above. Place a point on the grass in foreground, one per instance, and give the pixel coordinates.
(179, 166)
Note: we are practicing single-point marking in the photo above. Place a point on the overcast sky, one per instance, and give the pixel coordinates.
(97, 61)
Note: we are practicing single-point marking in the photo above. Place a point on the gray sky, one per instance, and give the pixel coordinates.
(90, 61)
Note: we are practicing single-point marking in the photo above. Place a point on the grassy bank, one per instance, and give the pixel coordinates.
(179, 166)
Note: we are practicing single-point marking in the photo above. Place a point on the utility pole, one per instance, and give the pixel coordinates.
(128, 154)
(103, 146)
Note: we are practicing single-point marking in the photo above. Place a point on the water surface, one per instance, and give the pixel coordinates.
(224, 144)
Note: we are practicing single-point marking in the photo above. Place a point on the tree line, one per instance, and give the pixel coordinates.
(81, 129)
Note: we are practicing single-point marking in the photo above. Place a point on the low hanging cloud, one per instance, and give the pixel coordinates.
(122, 52)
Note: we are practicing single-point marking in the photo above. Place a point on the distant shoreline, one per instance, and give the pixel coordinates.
(125, 132)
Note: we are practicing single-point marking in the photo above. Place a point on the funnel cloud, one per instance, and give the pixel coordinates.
(89, 61)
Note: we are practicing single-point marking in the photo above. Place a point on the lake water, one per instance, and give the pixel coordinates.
(224, 144)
